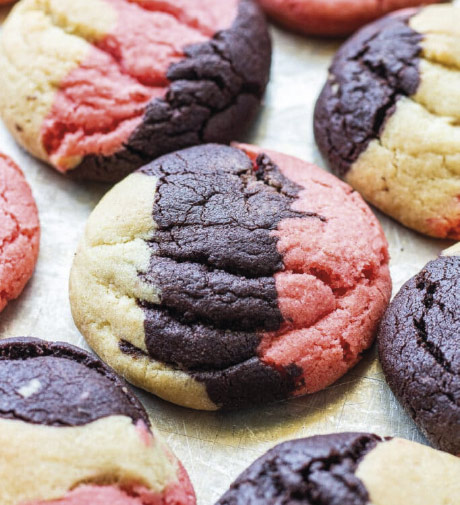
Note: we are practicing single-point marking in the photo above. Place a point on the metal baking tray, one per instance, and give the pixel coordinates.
(216, 447)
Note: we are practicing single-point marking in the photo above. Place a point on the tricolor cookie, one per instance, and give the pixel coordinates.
(19, 231)
(388, 118)
(220, 277)
(348, 469)
(97, 88)
(71, 433)
(332, 17)
(419, 345)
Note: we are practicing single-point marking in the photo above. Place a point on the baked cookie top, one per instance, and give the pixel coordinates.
(19, 231)
(72, 432)
(224, 277)
(348, 469)
(97, 88)
(334, 18)
(419, 345)
(56, 384)
(387, 118)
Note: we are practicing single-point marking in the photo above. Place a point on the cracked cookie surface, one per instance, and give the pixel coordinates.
(387, 120)
(220, 277)
(333, 17)
(99, 88)
(72, 433)
(419, 345)
(347, 469)
(19, 231)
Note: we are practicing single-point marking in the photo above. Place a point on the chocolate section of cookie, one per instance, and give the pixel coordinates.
(313, 471)
(369, 74)
(213, 260)
(214, 255)
(249, 383)
(214, 94)
(419, 345)
(57, 384)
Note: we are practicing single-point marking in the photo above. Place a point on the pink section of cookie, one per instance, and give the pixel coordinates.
(19, 231)
(182, 492)
(175, 494)
(100, 103)
(96, 495)
(336, 283)
(446, 226)
(104, 495)
(144, 433)
(333, 17)
(207, 16)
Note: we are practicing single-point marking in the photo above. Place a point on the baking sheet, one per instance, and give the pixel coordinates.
(216, 447)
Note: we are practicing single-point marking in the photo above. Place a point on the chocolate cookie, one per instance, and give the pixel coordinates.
(19, 231)
(387, 118)
(97, 88)
(71, 433)
(332, 17)
(348, 469)
(419, 344)
(221, 277)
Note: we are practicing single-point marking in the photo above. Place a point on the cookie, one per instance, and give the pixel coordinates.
(19, 231)
(387, 118)
(222, 277)
(332, 17)
(419, 346)
(72, 433)
(98, 88)
(348, 469)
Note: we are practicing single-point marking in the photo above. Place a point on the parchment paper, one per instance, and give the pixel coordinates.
(216, 447)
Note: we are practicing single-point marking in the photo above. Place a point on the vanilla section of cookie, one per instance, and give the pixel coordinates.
(348, 469)
(97, 88)
(222, 277)
(71, 432)
(388, 117)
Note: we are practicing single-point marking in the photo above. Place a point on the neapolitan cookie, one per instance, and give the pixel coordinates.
(97, 88)
(388, 118)
(19, 231)
(332, 17)
(419, 346)
(72, 433)
(221, 277)
(348, 469)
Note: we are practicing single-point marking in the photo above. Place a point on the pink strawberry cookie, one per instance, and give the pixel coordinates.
(332, 17)
(19, 231)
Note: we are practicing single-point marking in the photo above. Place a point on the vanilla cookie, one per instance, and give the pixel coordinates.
(222, 277)
(388, 118)
(97, 88)
(348, 469)
(71, 432)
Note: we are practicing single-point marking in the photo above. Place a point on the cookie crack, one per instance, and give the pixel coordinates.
(420, 326)
(189, 281)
